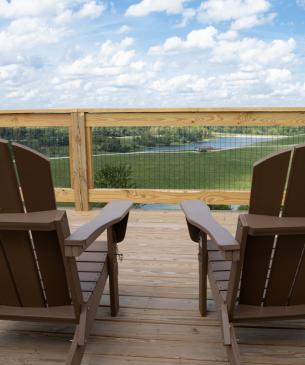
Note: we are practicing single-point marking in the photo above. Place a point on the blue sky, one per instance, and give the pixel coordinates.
(152, 53)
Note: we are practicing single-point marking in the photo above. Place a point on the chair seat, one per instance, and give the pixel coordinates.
(220, 267)
(90, 264)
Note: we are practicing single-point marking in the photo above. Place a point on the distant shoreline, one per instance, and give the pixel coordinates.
(239, 135)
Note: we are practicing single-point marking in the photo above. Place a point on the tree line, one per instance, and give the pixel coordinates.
(54, 142)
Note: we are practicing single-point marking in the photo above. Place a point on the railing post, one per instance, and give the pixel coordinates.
(89, 153)
(78, 155)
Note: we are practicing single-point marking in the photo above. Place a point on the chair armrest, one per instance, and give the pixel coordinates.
(264, 225)
(198, 215)
(110, 215)
(35, 221)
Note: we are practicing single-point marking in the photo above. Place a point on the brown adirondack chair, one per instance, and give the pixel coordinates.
(259, 274)
(46, 273)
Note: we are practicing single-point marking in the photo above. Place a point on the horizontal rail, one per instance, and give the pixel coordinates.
(151, 110)
(169, 196)
(157, 196)
(199, 118)
(15, 120)
(156, 117)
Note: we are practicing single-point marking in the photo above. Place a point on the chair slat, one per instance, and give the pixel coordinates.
(286, 285)
(19, 266)
(8, 291)
(268, 184)
(38, 194)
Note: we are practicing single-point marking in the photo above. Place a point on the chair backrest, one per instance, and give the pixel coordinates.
(273, 271)
(32, 270)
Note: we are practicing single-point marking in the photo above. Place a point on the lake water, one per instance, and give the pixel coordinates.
(219, 143)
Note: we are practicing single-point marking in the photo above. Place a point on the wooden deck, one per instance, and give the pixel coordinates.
(159, 322)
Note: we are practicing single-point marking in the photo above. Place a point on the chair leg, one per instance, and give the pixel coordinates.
(232, 350)
(76, 351)
(76, 354)
(202, 258)
(113, 272)
(114, 286)
(229, 337)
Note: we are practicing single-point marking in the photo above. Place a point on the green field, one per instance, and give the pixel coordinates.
(225, 169)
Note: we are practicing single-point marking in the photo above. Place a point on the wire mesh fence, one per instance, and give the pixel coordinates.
(52, 142)
(218, 158)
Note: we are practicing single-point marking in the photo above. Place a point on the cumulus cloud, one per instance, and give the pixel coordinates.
(254, 51)
(34, 8)
(146, 7)
(26, 33)
(252, 21)
(181, 84)
(59, 53)
(47, 8)
(171, 7)
(39, 22)
(243, 14)
(90, 9)
(226, 10)
(201, 38)
(108, 60)
(228, 47)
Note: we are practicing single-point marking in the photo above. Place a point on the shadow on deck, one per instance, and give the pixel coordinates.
(159, 321)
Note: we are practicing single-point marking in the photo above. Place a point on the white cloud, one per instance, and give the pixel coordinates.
(70, 85)
(138, 65)
(146, 7)
(201, 38)
(243, 14)
(49, 8)
(187, 15)
(22, 94)
(108, 60)
(91, 9)
(226, 10)
(252, 21)
(182, 84)
(52, 57)
(170, 7)
(9, 72)
(254, 51)
(39, 22)
(229, 35)
(122, 58)
(277, 75)
(124, 29)
(25, 33)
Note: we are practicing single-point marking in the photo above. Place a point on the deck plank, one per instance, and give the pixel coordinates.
(159, 322)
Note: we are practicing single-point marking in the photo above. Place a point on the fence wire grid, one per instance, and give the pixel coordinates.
(52, 142)
(219, 158)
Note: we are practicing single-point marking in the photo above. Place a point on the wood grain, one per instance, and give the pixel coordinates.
(169, 196)
(197, 118)
(79, 168)
(36, 120)
(64, 195)
(89, 157)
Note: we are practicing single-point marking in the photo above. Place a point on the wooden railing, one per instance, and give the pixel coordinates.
(81, 121)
